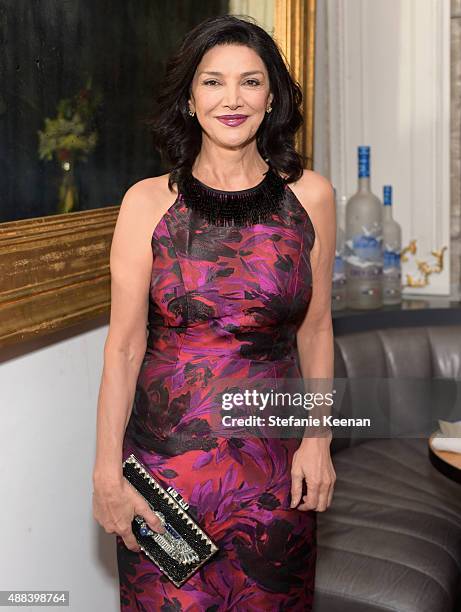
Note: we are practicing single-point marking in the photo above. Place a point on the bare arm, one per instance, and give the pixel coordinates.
(312, 461)
(115, 501)
(315, 335)
(124, 349)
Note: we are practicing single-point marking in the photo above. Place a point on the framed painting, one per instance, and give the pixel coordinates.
(60, 200)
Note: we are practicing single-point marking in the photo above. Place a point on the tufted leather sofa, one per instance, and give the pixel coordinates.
(391, 539)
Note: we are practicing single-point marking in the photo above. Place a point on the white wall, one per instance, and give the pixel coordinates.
(321, 94)
(48, 399)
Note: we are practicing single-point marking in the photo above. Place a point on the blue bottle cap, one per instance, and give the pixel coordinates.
(364, 161)
(387, 192)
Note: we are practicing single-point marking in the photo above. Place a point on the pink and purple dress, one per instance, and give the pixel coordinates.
(225, 301)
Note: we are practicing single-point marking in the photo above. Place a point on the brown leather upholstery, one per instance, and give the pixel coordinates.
(422, 352)
(391, 540)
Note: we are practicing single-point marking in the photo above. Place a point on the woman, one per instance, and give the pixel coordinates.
(233, 280)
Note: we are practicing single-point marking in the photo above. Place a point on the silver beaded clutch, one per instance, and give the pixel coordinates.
(184, 547)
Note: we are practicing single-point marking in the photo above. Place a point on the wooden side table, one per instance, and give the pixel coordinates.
(447, 463)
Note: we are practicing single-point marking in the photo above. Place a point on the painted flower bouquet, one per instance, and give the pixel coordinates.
(69, 137)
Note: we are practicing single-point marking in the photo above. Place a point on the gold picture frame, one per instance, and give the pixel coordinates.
(54, 270)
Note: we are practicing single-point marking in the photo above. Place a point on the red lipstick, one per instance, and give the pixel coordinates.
(232, 120)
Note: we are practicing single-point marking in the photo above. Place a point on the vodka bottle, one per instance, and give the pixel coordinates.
(364, 248)
(339, 297)
(392, 238)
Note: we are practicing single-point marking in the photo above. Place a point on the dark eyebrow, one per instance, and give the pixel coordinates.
(215, 73)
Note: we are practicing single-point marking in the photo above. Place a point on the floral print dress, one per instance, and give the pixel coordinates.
(224, 302)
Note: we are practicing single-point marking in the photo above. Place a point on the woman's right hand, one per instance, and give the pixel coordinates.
(114, 507)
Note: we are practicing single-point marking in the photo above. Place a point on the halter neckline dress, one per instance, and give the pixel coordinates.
(231, 283)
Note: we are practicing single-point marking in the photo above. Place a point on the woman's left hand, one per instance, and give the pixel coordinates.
(312, 462)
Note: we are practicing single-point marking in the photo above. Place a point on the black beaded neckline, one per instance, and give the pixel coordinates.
(245, 207)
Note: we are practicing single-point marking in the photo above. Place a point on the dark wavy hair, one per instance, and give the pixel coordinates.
(178, 136)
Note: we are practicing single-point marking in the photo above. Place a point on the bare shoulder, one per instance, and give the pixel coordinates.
(316, 194)
(153, 184)
(313, 190)
(150, 195)
(144, 204)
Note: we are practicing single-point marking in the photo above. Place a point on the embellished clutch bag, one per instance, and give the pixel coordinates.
(184, 547)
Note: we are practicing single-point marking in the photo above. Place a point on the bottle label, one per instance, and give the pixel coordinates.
(392, 264)
(339, 270)
(365, 256)
(367, 247)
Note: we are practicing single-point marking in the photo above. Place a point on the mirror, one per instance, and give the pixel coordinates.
(79, 85)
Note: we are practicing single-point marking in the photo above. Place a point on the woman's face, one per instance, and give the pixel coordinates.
(230, 80)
